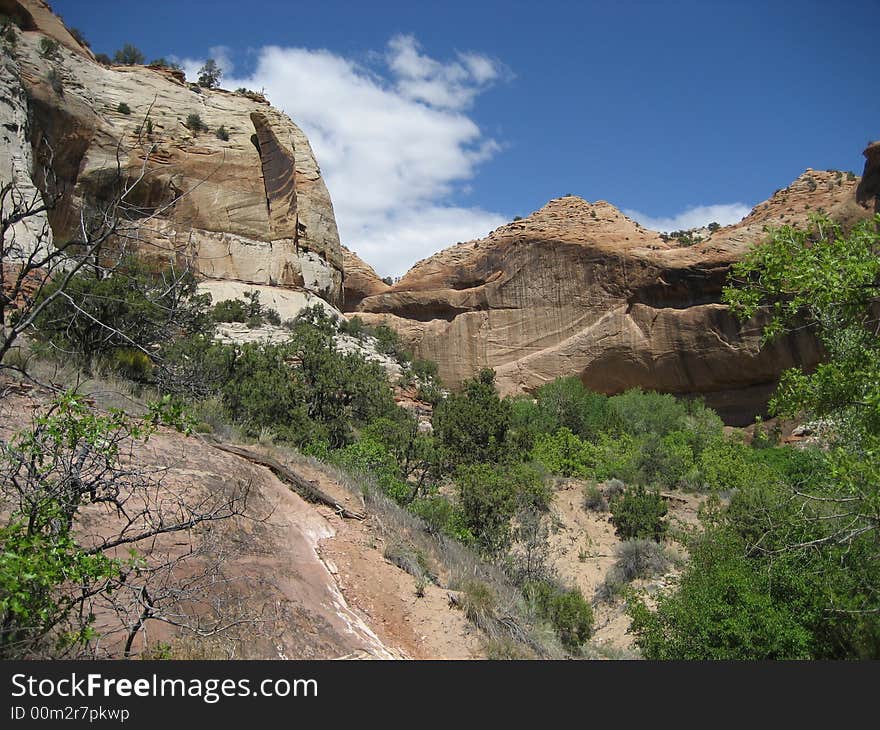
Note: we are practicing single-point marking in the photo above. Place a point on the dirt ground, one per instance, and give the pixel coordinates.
(582, 544)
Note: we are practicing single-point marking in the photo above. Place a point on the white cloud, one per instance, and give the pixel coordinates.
(447, 86)
(420, 233)
(695, 217)
(393, 142)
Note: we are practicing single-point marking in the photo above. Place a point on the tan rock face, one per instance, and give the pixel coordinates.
(579, 289)
(252, 208)
(361, 281)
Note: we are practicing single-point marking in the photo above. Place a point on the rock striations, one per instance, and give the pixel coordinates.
(577, 288)
(249, 205)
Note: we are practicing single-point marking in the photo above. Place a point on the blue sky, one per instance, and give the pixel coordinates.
(436, 122)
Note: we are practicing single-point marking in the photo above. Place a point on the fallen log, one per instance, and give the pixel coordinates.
(308, 490)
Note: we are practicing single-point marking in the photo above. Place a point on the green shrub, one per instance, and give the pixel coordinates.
(490, 495)
(639, 412)
(566, 403)
(731, 465)
(131, 364)
(565, 454)
(195, 124)
(134, 304)
(528, 421)
(664, 461)
(471, 425)
(639, 513)
(230, 310)
(567, 611)
(49, 47)
(370, 458)
(222, 134)
(123, 108)
(618, 458)
(639, 559)
(723, 609)
(443, 517)
(128, 55)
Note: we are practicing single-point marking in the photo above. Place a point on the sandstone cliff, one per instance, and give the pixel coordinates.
(251, 208)
(361, 280)
(577, 288)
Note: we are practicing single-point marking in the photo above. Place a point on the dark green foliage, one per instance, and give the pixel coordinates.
(639, 513)
(49, 47)
(195, 124)
(103, 59)
(639, 412)
(565, 454)
(231, 310)
(665, 461)
(166, 64)
(713, 226)
(566, 609)
(323, 397)
(260, 391)
(722, 610)
(471, 425)
(135, 306)
(569, 405)
(210, 74)
(490, 495)
(222, 133)
(128, 55)
(123, 108)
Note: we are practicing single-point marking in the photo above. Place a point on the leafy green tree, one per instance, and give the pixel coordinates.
(639, 513)
(570, 405)
(722, 610)
(471, 426)
(565, 454)
(134, 306)
(827, 280)
(210, 74)
(490, 495)
(128, 55)
(639, 412)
